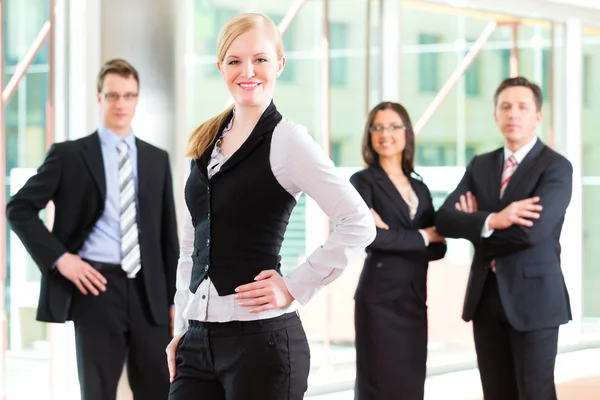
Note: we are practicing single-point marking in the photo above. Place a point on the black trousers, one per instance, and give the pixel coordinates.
(391, 348)
(114, 328)
(242, 360)
(512, 364)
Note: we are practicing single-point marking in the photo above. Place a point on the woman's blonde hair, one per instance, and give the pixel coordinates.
(205, 134)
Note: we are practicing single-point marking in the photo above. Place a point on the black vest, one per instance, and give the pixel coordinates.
(239, 215)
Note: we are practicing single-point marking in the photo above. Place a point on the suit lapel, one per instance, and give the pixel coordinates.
(267, 122)
(92, 155)
(522, 169)
(269, 119)
(244, 151)
(202, 162)
(387, 186)
(418, 188)
(495, 174)
(143, 167)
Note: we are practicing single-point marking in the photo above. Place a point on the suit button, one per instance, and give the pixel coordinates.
(208, 216)
(207, 242)
(206, 268)
(379, 264)
(208, 189)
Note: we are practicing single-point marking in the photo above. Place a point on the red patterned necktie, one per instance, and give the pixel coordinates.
(509, 169)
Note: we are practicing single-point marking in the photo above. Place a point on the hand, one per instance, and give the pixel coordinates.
(83, 276)
(268, 292)
(171, 350)
(172, 318)
(378, 221)
(516, 213)
(433, 236)
(467, 204)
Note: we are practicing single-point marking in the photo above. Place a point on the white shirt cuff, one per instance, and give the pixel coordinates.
(180, 326)
(486, 232)
(425, 238)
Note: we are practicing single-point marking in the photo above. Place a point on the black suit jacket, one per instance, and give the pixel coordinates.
(398, 256)
(528, 268)
(72, 176)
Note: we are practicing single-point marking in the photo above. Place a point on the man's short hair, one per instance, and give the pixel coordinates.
(119, 67)
(521, 81)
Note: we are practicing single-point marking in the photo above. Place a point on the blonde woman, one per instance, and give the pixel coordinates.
(237, 332)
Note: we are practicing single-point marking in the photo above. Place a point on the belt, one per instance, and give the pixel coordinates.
(232, 328)
(107, 268)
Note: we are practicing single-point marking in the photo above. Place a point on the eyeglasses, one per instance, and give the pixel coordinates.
(391, 129)
(113, 97)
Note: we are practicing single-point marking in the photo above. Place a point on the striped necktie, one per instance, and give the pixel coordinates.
(130, 248)
(509, 169)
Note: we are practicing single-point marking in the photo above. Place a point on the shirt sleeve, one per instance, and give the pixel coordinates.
(300, 165)
(184, 268)
(425, 238)
(486, 232)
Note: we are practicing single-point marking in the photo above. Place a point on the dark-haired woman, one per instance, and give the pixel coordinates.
(390, 309)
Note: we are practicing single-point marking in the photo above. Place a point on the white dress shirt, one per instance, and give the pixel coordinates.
(519, 155)
(299, 165)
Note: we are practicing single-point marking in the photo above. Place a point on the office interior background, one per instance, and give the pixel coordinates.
(442, 59)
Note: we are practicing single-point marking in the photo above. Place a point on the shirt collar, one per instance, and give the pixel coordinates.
(111, 139)
(521, 153)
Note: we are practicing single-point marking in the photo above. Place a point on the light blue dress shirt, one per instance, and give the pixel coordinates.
(104, 242)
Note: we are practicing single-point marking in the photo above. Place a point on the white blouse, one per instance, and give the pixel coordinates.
(299, 165)
(412, 203)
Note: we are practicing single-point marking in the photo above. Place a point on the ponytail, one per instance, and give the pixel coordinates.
(205, 134)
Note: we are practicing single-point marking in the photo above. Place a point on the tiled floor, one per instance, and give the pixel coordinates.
(584, 389)
(578, 389)
(577, 377)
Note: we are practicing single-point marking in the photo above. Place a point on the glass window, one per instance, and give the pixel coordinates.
(293, 250)
(591, 179)
(351, 89)
(429, 63)
(535, 64)
(472, 75)
(24, 20)
(220, 17)
(546, 65)
(336, 152)
(505, 62)
(587, 79)
(26, 363)
(338, 35)
(289, 73)
(37, 95)
(591, 252)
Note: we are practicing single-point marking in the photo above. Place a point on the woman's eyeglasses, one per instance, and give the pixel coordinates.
(391, 129)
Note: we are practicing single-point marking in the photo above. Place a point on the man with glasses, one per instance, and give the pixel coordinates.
(109, 262)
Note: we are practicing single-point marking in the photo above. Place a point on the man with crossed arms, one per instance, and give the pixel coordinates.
(511, 205)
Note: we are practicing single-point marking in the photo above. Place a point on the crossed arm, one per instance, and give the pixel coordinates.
(452, 221)
(527, 222)
(399, 239)
(519, 225)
